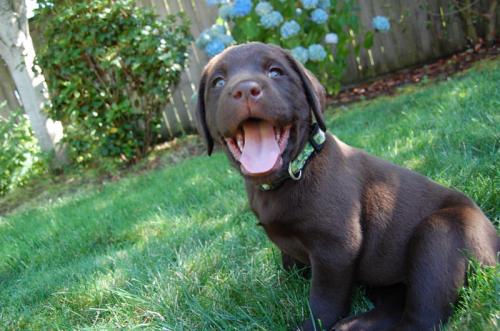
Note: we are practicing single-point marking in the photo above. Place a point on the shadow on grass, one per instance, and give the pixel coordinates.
(144, 251)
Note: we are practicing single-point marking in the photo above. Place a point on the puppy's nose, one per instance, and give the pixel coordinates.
(247, 89)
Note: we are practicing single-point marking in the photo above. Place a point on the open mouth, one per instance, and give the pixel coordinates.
(258, 147)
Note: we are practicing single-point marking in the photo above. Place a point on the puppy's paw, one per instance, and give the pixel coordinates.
(351, 324)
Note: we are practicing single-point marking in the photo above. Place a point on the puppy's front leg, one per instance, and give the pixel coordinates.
(331, 288)
(289, 264)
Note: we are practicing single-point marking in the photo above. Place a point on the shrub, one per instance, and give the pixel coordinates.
(20, 156)
(110, 68)
(318, 32)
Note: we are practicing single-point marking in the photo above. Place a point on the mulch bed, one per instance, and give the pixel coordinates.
(440, 69)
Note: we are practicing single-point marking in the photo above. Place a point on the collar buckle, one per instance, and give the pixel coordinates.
(292, 175)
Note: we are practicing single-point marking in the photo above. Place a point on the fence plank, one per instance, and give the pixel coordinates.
(172, 123)
(455, 30)
(181, 107)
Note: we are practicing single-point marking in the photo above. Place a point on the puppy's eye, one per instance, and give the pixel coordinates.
(274, 72)
(218, 82)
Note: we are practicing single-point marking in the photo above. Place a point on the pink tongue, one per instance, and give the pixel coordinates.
(261, 151)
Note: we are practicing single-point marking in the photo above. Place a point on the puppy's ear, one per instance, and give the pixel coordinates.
(201, 115)
(315, 92)
(318, 89)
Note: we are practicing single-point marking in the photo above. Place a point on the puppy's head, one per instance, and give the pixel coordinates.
(256, 101)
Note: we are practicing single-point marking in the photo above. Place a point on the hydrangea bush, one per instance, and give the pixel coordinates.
(317, 32)
(214, 40)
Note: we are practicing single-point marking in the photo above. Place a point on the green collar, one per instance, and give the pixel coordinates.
(296, 167)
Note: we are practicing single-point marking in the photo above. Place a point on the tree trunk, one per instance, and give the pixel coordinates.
(16, 48)
(31, 97)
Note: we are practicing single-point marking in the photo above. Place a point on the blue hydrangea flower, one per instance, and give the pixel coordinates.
(216, 2)
(381, 23)
(316, 52)
(309, 4)
(289, 29)
(331, 38)
(271, 20)
(241, 8)
(225, 12)
(324, 4)
(212, 38)
(214, 47)
(203, 39)
(300, 54)
(263, 8)
(319, 16)
(226, 39)
(212, 2)
(217, 30)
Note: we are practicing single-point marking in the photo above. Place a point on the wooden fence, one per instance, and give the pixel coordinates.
(420, 32)
(179, 115)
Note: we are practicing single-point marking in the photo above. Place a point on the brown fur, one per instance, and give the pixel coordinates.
(353, 218)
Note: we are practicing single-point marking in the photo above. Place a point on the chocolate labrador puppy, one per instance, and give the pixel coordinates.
(351, 217)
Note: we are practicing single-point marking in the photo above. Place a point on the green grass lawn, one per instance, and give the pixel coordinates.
(177, 248)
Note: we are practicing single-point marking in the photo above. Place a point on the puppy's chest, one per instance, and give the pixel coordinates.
(273, 214)
(287, 241)
(283, 225)
(271, 208)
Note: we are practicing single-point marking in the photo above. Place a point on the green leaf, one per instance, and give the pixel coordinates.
(368, 39)
(249, 29)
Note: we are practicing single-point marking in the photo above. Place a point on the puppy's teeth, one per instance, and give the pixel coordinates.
(240, 142)
(277, 134)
